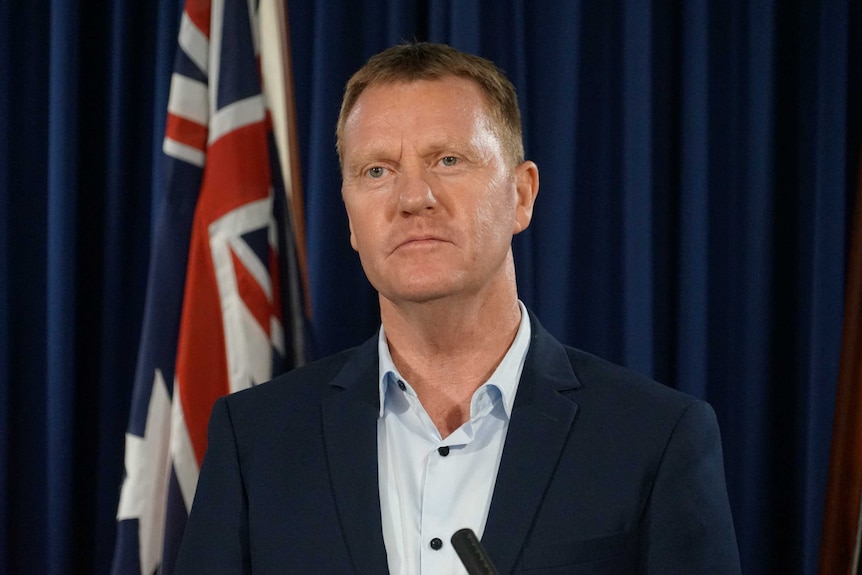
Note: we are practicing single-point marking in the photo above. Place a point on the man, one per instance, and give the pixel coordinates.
(462, 411)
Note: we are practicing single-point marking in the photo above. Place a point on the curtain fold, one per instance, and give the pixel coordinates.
(5, 257)
(82, 104)
(61, 278)
(637, 187)
(692, 223)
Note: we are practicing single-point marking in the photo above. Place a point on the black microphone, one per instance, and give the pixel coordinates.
(471, 553)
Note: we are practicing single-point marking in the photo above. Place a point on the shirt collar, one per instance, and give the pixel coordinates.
(505, 378)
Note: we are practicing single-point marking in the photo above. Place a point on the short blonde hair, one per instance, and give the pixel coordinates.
(426, 61)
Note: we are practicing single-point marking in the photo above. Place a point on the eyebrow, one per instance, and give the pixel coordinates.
(381, 149)
(353, 164)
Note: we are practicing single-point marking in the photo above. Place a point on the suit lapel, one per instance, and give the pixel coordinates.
(350, 434)
(541, 420)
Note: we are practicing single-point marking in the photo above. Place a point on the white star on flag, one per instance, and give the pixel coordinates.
(146, 473)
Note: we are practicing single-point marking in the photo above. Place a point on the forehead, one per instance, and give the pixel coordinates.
(448, 100)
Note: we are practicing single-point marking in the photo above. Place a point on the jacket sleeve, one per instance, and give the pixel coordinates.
(687, 526)
(216, 539)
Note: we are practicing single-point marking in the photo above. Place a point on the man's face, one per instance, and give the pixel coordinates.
(431, 201)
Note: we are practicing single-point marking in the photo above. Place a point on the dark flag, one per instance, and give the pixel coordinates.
(220, 313)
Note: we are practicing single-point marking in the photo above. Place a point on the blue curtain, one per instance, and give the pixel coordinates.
(83, 94)
(697, 165)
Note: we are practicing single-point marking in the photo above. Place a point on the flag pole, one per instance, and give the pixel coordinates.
(279, 87)
(842, 520)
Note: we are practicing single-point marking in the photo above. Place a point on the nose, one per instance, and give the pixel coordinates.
(415, 194)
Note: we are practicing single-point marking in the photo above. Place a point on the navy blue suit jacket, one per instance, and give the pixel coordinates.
(603, 471)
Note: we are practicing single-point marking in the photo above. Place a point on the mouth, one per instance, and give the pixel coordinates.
(420, 242)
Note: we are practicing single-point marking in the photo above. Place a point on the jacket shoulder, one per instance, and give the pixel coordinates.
(296, 390)
(600, 375)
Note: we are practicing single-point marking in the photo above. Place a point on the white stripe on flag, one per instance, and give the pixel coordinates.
(216, 31)
(185, 153)
(182, 452)
(246, 344)
(194, 43)
(188, 99)
(236, 115)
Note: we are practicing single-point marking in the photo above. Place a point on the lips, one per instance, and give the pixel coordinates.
(419, 241)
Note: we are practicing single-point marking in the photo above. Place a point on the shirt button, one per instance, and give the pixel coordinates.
(402, 385)
(444, 451)
(436, 544)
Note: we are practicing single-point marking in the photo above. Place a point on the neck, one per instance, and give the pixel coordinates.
(447, 350)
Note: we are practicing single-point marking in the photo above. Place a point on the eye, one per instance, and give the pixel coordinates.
(449, 160)
(376, 172)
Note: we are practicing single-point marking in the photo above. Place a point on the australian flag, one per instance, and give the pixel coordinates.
(224, 256)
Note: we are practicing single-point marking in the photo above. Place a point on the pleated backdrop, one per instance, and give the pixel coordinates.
(698, 169)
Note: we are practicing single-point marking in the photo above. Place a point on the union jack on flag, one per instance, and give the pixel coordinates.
(223, 263)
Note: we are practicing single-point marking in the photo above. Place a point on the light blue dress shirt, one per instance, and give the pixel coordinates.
(431, 487)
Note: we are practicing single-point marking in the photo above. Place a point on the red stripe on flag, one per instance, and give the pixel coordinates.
(198, 12)
(186, 132)
(252, 294)
(201, 362)
(237, 171)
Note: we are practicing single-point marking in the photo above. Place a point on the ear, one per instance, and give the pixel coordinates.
(352, 235)
(527, 186)
(349, 222)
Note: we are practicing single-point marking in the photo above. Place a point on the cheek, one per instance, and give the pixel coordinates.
(487, 220)
(357, 225)
(366, 231)
(495, 213)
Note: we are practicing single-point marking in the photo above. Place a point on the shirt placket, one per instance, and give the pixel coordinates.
(435, 555)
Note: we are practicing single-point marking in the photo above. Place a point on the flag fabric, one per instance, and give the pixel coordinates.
(223, 260)
(842, 523)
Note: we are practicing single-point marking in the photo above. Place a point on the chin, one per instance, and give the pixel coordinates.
(420, 293)
(418, 284)
(420, 296)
